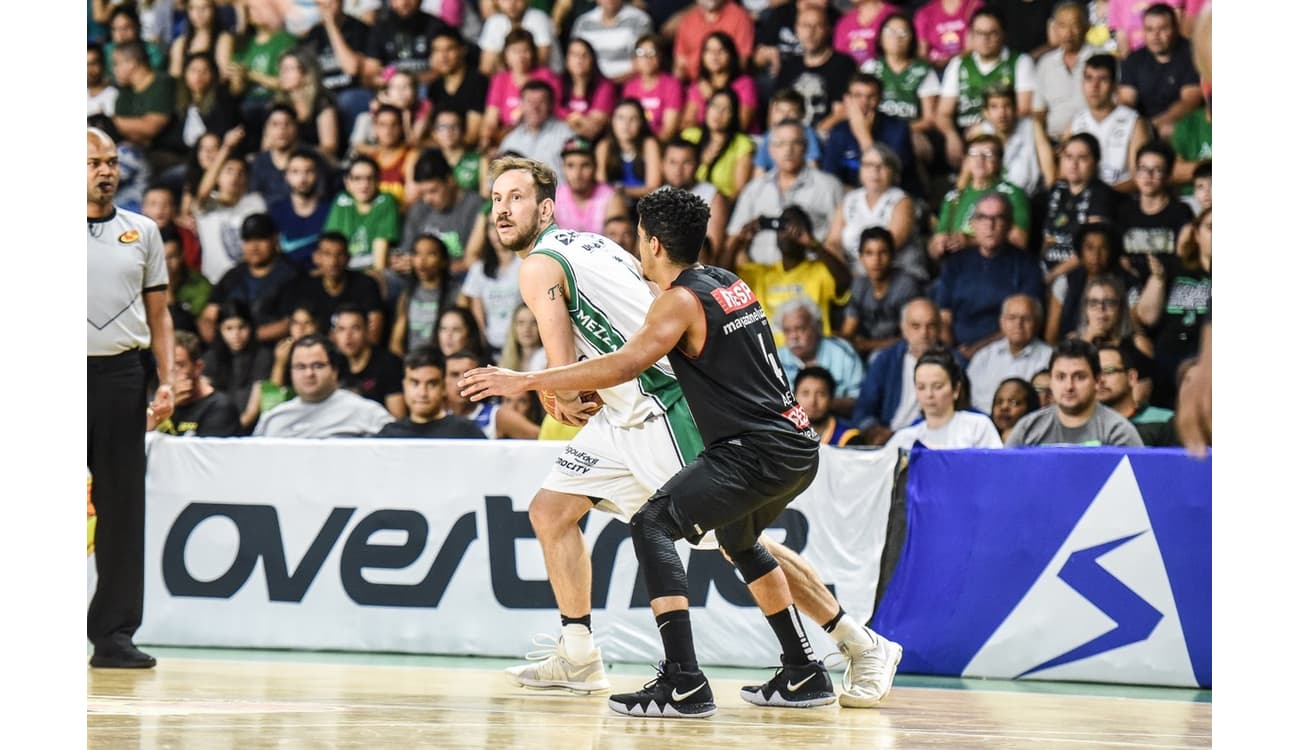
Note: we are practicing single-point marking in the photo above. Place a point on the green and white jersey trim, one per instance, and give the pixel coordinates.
(609, 301)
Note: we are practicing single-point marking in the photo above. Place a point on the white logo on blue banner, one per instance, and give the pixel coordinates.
(1102, 604)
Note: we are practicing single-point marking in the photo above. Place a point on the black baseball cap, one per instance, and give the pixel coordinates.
(258, 227)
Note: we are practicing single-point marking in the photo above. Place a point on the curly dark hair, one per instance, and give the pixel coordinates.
(679, 219)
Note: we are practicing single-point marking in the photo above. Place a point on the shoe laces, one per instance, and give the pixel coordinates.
(548, 645)
(660, 674)
(843, 658)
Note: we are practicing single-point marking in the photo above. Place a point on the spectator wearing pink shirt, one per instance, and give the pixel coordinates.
(702, 20)
(583, 202)
(503, 99)
(720, 68)
(586, 97)
(1125, 18)
(855, 34)
(941, 29)
(659, 93)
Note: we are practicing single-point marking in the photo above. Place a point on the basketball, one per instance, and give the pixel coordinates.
(548, 401)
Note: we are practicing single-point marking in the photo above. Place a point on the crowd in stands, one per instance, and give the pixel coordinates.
(971, 222)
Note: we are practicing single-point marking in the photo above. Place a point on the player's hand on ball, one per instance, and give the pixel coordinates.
(574, 411)
(485, 382)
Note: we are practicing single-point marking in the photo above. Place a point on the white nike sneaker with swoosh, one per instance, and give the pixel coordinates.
(869, 672)
(794, 686)
(672, 694)
(550, 668)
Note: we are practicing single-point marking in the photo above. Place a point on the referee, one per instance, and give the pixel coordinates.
(126, 314)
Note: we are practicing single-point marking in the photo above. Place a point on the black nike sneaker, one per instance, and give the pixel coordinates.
(672, 694)
(801, 686)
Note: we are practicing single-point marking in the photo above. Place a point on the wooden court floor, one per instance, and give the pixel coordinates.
(191, 702)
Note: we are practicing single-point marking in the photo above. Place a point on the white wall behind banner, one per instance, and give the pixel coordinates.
(425, 547)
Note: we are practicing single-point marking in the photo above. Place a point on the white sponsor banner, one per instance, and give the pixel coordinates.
(424, 546)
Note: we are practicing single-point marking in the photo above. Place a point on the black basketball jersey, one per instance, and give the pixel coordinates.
(735, 384)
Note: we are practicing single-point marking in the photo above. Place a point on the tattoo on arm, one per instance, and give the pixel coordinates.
(555, 292)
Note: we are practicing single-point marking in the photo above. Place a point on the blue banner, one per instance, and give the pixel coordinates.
(1088, 564)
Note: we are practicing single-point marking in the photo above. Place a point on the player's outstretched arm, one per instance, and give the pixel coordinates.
(666, 324)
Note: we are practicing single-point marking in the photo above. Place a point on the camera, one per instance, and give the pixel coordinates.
(769, 222)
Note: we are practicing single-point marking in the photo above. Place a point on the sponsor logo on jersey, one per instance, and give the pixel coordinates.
(587, 322)
(797, 417)
(748, 318)
(738, 296)
(128, 237)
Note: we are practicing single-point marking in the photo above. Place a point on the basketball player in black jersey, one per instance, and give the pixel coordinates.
(761, 453)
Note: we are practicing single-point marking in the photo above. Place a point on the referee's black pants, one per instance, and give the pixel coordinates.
(115, 426)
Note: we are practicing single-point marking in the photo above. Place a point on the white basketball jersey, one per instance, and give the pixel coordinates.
(610, 301)
(1114, 134)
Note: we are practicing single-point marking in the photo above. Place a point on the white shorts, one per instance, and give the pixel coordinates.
(619, 468)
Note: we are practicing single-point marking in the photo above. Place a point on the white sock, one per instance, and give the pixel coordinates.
(848, 630)
(579, 643)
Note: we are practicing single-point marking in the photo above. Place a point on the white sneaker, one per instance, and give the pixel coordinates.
(869, 672)
(550, 668)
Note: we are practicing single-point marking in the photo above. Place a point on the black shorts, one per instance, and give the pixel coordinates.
(739, 486)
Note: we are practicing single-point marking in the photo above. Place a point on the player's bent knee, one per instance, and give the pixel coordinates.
(754, 562)
(553, 512)
(654, 530)
(653, 519)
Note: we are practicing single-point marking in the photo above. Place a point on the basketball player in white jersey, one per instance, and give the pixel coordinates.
(588, 296)
(1119, 129)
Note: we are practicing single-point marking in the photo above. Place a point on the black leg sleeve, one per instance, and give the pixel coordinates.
(654, 530)
(753, 563)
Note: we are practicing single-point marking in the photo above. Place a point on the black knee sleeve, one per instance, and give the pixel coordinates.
(753, 563)
(654, 530)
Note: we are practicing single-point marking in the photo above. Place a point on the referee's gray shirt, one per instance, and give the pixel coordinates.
(124, 259)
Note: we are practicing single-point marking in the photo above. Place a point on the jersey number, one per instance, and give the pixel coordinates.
(776, 366)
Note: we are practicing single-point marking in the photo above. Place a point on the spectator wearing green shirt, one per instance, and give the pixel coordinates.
(123, 27)
(1117, 385)
(981, 175)
(366, 216)
(990, 62)
(145, 101)
(1191, 141)
(187, 289)
(254, 73)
